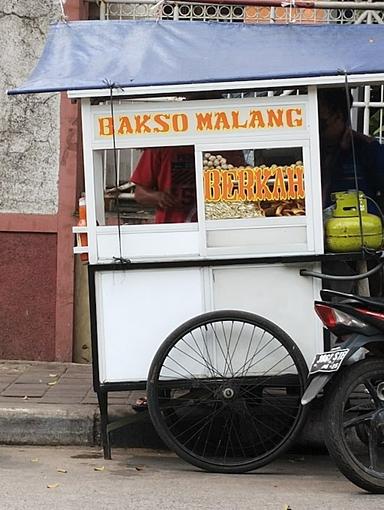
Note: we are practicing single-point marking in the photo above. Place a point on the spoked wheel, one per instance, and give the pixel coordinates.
(224, 391)
(354, 424)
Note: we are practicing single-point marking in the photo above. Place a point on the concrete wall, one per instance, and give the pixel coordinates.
(27, 296)
(29, 124)
(36, 261)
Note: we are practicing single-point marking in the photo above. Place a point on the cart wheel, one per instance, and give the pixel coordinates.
(224, 391)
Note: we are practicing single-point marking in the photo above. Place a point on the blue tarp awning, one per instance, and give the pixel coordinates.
(95, 54)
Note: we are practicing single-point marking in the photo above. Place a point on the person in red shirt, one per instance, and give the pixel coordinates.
(165, 179)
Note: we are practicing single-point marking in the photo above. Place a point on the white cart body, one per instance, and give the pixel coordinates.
(243, 264)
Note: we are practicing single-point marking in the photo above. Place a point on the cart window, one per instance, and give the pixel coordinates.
(159, 186)
(254, 183)
(116, 167)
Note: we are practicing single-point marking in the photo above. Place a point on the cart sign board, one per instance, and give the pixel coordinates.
(177, 121)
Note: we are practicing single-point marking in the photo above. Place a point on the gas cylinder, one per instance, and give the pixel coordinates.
(343, 229)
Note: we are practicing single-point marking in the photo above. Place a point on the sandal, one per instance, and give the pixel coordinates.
(140, 405)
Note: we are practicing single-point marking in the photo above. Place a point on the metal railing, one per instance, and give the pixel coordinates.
(337, 12)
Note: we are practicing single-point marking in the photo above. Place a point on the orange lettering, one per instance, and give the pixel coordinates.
(261, 180)
(141, 123)
(295, 174)
(180, 122)
(204, 121)
(105, 126)
(294, 117)
(161, 120)
(125, 126)
(275, 118)
(222, 121)
(246, 185)
(256, 120)
(279, 190)
(236, 121)
(228, 185)
(212, 191)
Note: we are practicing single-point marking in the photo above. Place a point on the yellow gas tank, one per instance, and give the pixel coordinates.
(343, 229)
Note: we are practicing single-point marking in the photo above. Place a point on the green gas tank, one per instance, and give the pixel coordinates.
(342, 230)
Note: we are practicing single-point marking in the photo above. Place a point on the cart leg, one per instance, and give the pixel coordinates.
(103, 405)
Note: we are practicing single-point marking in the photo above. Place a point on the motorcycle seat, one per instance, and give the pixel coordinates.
(375, 304)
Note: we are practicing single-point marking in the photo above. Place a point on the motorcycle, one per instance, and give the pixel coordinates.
(351, 379)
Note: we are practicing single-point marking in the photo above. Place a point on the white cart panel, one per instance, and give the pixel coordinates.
(278, 293)
(136, 310)
(256, 240)
(147, 244)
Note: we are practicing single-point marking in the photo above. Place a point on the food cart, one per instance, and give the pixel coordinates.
(211, 312)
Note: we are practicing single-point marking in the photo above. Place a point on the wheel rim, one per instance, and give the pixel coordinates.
(227, 393)
(363, 423)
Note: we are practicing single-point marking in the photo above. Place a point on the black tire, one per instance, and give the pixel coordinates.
(224, 391)
(354, 423)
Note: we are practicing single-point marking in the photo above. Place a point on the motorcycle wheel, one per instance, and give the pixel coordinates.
(354, 424)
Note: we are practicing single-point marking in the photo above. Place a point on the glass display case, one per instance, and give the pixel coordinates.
(240, 178)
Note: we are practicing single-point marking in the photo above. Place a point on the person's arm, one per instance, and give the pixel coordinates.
(372, 154)
(380, 166)
(145, 178)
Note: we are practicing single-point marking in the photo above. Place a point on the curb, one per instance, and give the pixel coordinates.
(79, 425)
(50, 426)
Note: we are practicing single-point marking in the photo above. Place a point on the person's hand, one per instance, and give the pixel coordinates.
(165, 200)
(154, 198)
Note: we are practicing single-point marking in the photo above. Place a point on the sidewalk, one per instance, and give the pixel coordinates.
(54, 404)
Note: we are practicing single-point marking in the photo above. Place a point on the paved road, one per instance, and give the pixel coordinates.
(30, 478)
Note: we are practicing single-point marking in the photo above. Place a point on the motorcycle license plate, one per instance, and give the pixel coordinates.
(328, 361)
